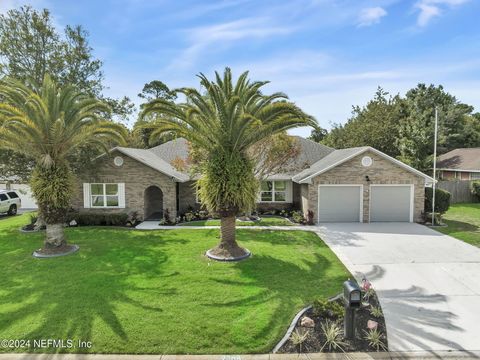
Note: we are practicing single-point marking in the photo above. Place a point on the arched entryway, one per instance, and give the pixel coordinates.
(153, 203)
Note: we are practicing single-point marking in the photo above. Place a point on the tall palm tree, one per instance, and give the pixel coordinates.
(48, 124)
(223, 123)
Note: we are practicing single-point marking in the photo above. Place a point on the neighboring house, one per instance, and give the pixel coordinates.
(23, 190)
(459, 164)
(351, 185)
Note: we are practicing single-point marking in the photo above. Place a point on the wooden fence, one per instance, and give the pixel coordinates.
(459, 189)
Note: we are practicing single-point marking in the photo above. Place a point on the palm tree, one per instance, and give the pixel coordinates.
(223, 124)
(48, 124)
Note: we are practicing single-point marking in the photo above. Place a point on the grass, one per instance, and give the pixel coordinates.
(463, 222)
(264, 221)
(130, 291)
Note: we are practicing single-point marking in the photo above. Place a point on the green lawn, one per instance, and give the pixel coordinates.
(131, 291)
(264, 221)
(463, 222)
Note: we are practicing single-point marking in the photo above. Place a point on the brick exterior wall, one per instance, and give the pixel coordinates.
(137, 177)
(448, 175)
(187, 197)
(382, 171)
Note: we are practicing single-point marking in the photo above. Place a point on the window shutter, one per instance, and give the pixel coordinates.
(121, 195)
(86, 195)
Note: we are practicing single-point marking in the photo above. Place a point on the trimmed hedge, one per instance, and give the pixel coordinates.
(442, 200)
(100, 219)
(475, 189)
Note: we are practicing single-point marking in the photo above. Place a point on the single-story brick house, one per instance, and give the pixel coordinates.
(459, 164)
(351, 185)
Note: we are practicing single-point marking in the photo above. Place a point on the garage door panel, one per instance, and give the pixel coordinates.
(390, 203)
(339, 203)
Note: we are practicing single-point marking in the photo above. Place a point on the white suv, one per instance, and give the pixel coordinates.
(10, 202)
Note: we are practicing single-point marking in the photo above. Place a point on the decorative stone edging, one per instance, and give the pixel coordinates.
(219, 258)
(294, 323)
(38, 255)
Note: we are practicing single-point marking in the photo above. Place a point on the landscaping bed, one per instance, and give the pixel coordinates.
(263, 221)
(326, 335)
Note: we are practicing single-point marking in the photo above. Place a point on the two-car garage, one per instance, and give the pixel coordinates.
(382, 202)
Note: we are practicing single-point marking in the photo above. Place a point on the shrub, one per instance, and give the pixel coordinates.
(100, 219)
(442, 200)
(297, 217)
(298, 338)
(133, 219)
(310, 217)
(333, 336)
(167, 220)
(325, 308)
(375, 339)
(475, 189)
(33, 218)
(376, 311)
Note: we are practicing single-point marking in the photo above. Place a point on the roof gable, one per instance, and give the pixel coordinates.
(341, 156)
(155, 162)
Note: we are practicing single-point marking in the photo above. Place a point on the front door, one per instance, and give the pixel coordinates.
(153, 203)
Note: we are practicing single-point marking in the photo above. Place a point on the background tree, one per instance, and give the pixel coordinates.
(141, 137)
(30, 47)
(48, 124)
(403, 127)
(156, 89)
(224, 123)
(375, 124)
(416, 130)
(318, 134)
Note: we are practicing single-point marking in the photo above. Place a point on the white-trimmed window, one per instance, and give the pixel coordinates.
(475, 176)
(273, 191)
(104, 195)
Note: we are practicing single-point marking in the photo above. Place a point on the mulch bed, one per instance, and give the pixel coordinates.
(316, 339)
(64, 249)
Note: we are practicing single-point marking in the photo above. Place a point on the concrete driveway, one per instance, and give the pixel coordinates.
(428, 283)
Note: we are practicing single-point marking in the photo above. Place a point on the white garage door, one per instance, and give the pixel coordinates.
(340, 203)
(391, 203)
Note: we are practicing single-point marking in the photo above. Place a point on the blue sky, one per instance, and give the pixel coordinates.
(327, 55)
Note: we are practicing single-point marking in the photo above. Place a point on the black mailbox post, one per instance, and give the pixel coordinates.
(352, 297)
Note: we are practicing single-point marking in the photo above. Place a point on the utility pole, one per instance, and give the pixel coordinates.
(434, 165)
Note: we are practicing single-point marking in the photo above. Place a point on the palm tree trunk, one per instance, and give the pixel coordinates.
(227, 232)
(40, 224)
(55, 236)
(228, 247)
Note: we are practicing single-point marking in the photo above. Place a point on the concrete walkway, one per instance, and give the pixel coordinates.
(428, 283)
(153, 225)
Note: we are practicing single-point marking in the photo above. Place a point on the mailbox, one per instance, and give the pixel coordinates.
(352, 294)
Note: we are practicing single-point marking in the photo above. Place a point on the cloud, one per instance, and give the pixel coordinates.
(429, 9)
(223, 35)
(370, 16)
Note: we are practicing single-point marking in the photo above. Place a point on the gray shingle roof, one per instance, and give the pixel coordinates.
(149, 158)
(309, 153)
(461, 159)
(177, 148)
(329, 160)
